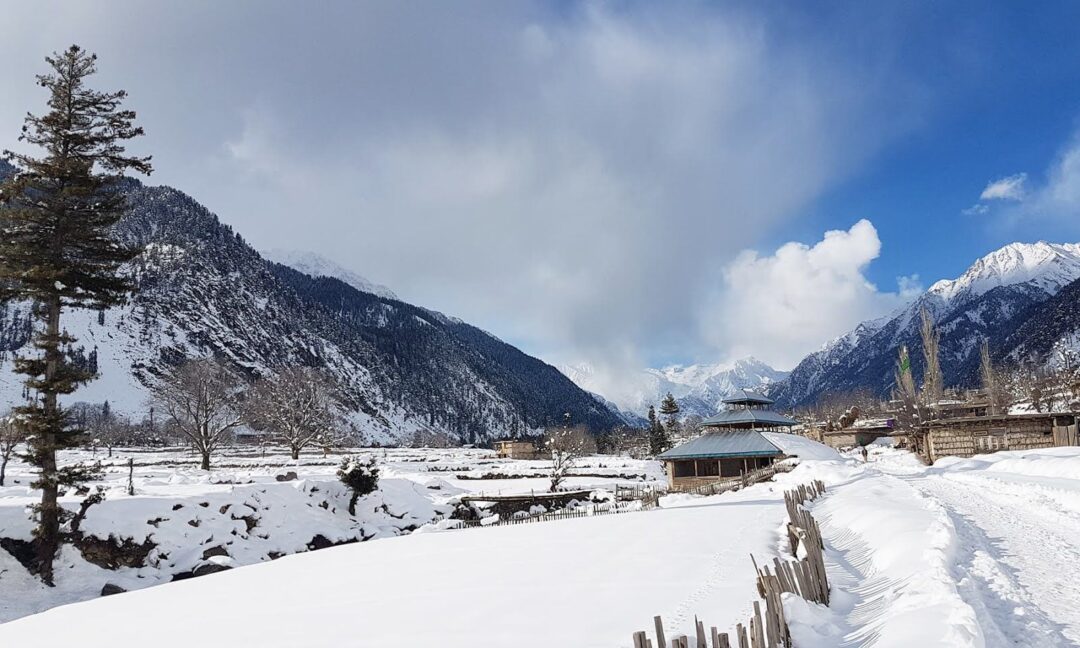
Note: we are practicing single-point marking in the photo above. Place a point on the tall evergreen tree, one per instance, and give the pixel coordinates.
(669, 407)
(658, 438)
(57, 252)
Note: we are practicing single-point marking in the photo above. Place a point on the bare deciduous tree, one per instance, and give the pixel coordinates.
(425, 438)
(11, 435)
(298, 406)
(933, 381)
(566, 445)
(992, 382)
(200, 400)
(909, 414)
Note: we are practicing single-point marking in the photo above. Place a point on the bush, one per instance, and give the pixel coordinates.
(361, 478)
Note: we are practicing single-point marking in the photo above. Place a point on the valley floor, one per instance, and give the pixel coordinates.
(978, 552)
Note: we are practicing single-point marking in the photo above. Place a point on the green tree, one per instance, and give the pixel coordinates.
(57, 251)
(361, 477)
(658, 437)
(669, 408)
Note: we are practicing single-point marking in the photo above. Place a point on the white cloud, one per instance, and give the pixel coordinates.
(1060, 196)
(1053, 203)
(978, 209)
(1008, 188)
(910, 287)
(782, 306)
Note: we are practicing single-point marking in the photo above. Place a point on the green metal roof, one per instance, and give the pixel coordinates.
(748, 397)
(764, 418)
(724, 443)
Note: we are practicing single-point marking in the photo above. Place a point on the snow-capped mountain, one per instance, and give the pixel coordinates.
(319, 266)
(699, 388)
(203, 291)
(1047, 266)
(993, 296)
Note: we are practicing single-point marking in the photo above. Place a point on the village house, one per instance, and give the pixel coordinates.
(860, 433)
(732, 443)
(516, 449)
(966, 436)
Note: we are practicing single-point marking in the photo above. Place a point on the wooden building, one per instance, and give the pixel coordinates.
(516, 449)
(861, 433)
(966, 436)
(732, 443)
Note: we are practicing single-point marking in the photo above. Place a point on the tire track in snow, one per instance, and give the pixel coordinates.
(1016, 562)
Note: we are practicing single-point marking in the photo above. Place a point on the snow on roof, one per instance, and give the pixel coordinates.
(794, 445)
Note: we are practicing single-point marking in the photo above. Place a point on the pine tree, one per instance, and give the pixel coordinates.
(57, 251)
(670, 409)
(658, 438)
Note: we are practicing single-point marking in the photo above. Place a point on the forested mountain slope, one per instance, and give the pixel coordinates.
(202, 291)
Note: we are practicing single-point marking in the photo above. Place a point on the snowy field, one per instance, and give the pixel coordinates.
(243, 513)
(978, 552)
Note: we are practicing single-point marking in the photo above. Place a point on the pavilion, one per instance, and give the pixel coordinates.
(732, 442)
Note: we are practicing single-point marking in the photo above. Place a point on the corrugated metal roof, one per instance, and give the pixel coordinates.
(748, 396)
(726, 443)
(758, 417)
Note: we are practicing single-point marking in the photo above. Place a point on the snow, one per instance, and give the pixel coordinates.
(1049, 266)
(185, 511)
(587, 582)
(319, 266)
(966, 553)
(802, 447)
(970, 552)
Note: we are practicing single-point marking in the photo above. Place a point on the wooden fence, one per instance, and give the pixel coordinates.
(767, 628)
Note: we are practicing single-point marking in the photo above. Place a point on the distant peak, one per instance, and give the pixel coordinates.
(317, 265)
(1049, 266)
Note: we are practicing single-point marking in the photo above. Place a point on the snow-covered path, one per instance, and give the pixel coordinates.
(1016, 519)
(1019, 550)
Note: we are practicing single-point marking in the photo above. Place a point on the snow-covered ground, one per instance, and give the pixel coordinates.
(241, 511)
(977, 552)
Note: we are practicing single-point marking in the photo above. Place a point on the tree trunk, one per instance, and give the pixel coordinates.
(205, 461)
(295, 453)
(48, 531)
(352, 503)
(3, 469)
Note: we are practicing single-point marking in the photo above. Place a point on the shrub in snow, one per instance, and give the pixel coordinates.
(362, 477)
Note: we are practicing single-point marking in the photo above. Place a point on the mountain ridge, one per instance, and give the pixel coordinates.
(994, 294)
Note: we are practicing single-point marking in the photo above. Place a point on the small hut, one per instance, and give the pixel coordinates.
(732, 443)
(516, 449)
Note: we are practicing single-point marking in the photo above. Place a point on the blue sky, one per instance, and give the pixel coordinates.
(1009, 105)
(625, 184)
